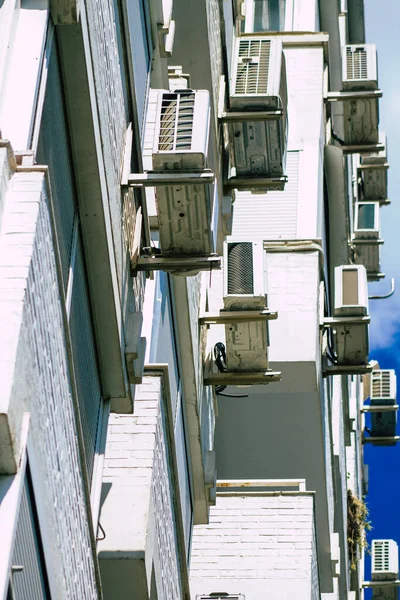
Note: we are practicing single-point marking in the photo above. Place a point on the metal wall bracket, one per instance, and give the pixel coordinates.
(259, 183)
(382, 440)
(346, 370)
(334, 321)
(349, 96)
(382, 408)
(368, 242)
(154, 179)
(237, 316)
(378, 584)
(373, 167)
(158, 262)
(242, 378)
(362, 148)
(243, 116)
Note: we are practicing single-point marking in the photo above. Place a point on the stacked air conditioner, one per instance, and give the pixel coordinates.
(176, 138)
(383, 393)
(351, 300)
(373, 171)
(366, 237)
(245, 288)
(361, 116)
(258, 84)
(385, 568)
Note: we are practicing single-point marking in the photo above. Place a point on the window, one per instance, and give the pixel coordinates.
(265, 15)
(366, 216)
(28, 579)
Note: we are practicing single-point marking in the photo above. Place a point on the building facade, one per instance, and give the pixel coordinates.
(189, 217)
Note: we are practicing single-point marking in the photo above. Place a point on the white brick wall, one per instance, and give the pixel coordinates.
(137, 473)
(41, 385)
(261, 546)
(293, 284)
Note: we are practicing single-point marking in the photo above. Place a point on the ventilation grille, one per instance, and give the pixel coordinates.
(381, 384)
(240, 268)
(253, 67)
(176, 122)
(356, 63)
(381, 556)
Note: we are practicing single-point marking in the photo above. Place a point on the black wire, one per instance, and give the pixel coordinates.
(100, 539)
(220, 361)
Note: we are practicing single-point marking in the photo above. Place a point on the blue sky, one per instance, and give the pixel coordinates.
(383, 29)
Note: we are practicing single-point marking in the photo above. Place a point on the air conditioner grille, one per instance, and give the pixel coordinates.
(253, 66)
(381, 384)
(381, 556)
(176, 123)
(356, 63)
(240, 268)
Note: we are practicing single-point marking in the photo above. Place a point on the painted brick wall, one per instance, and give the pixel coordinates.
(260, 546)
(137, 472)
(293, 284)
(41, 386)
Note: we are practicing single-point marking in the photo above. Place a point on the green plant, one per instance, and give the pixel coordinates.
(357, 525)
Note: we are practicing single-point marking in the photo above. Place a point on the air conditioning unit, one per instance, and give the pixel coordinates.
(383, 393)
(351, 300)
(373, 170)
(258, 83)
(385, 560)
(245, 288)
(361, 116)
(181, 128)
(360, 67)
(351, 291)
(383, 386)
(366, 220)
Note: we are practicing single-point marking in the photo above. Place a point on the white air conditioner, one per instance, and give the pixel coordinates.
(361, 116)
(366, 220)
(360, 67)
(179, 128)
(245, 288)
(383, 393)
(385, 560)
(373, 169)
(258, 83)
(376, 158)
(351, 291)
(383, 386)
(351, 300)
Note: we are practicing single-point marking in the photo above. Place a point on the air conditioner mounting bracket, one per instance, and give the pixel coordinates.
(346, 370)
(159, 262)
(349, 96)
(242, 378)
(226, 317)
(243, 116)
(333, 321)
(383, 408)
(156, 178)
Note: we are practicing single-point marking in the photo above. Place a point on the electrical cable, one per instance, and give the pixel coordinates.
(220, 361)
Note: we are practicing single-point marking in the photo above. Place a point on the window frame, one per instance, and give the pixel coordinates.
(250, 11)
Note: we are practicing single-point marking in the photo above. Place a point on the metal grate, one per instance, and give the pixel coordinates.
(240, 268)
(381, 387)
(381, 555)
(176, 123)
(356, 63)
(253, 67)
